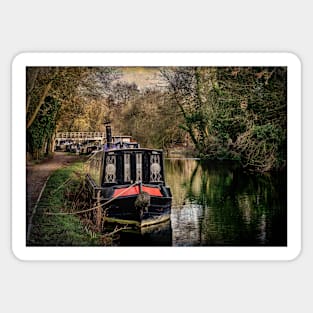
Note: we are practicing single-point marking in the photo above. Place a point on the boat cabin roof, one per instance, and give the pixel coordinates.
(122, 145)
(126, 150)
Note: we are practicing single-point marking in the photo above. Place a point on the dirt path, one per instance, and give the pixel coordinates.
(37, 174)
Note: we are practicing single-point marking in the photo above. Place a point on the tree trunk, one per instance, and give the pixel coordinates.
(52, 143)
(42, 99)
(31, 80)
(41, 102)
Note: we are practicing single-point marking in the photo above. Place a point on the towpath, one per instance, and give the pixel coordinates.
(37, 174)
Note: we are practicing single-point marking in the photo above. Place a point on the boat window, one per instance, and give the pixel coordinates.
(127, 174)
(138, 167)
(155, 168)
(110, 169)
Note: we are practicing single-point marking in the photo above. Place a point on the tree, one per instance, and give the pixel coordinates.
(151, 119)
(256, 115)
(230, 112)
(192, 90)
(122, 92)
(40, 133)
(70, 88)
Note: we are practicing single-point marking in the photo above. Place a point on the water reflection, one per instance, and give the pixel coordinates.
(216, 203)
(155, 235)
(185, 225)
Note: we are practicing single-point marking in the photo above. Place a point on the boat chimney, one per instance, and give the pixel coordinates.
(108, 136)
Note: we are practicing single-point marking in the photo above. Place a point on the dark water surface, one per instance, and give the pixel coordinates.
(218, 204)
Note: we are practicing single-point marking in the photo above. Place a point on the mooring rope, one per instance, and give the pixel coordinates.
(93, 208)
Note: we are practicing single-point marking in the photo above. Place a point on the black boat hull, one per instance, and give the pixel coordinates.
(124, 210)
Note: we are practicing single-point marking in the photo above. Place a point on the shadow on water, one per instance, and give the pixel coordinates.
(218, 204)
(156, 235)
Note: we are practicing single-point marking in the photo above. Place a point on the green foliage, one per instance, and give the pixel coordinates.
(221, 113)
(71, 89)
(234, 113)
(268, 132)
(41, 131)
(60, 230)
(151, 120)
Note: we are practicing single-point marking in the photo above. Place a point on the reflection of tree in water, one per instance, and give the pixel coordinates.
(179, 172)
(243, 209)
(238, 208)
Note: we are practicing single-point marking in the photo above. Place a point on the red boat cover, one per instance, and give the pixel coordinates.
(152, 191)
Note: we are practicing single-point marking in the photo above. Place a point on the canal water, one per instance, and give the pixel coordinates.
(218, 204)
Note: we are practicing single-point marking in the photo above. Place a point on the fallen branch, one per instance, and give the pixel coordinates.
(115, 231)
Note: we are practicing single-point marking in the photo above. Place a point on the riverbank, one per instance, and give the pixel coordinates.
(47, 186)
(50, 227)
(38, 173)
(52, 220)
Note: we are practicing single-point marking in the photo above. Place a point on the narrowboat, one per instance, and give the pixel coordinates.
(128, 183)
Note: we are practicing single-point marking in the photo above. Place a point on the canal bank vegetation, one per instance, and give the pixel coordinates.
(59, 94)
(234, 113)
(218, 113)
(55, 222)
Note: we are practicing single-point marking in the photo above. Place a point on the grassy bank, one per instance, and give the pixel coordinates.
(61, 230)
